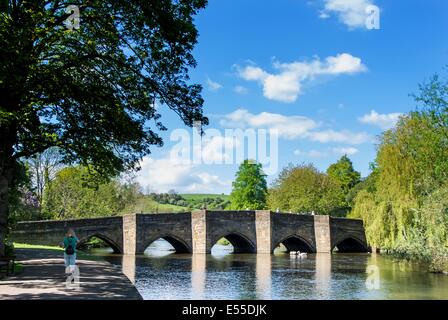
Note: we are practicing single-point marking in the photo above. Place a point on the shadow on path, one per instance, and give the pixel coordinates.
(43, 277)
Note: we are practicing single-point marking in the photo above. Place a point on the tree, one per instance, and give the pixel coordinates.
(69, 195)
(43, 169)
(92, 91)
(403, 206)
(249, 189)
(344, 174)
(303, 188)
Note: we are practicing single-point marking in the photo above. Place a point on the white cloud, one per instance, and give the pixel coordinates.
(288, 127)
(343, 136)
(322, 154)
(352, 13)
(240, 90)
(384, 121)
(348, 151)
(212, 85)
(286, 85)
(207, 183)
(164, 174)
(312, 153)
(291, 127)
(214, 148)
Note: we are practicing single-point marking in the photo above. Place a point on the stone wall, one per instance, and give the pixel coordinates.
(52, 232)
(296, 229)
(249, 231)
(322, 233)
(237, 226)
(263, 231)
(173, 227)
(342, 229)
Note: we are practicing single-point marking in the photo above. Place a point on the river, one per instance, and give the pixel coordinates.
(161, 275)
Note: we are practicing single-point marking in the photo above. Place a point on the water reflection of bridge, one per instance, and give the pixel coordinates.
(248, 231)
(263, 275)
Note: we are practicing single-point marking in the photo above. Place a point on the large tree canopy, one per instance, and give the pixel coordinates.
(404, 206)
(343, 172)
(92, 90)
(249, 190)
(303, 188)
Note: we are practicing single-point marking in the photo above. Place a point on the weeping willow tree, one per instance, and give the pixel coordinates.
(407, 211)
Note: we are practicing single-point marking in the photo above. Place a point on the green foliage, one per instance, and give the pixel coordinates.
(23, 204)
(404, 206)
(367, 183)
(211, 202)
(343, 173)
(94, 243)
(190, 202)
(146, 204)
(207, 201)
(92, 91)
(303, 188)
(249, 190)
(71, 195)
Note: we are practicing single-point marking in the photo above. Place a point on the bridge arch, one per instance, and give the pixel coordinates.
(179, 245)
(296, 243)
(350, 244)
(115, 247)
(240, 242)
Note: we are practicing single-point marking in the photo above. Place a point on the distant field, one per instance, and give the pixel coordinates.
(195, 200)
(147, 205)
(200, 196)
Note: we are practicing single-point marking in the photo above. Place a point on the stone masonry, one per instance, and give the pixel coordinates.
(252, 231)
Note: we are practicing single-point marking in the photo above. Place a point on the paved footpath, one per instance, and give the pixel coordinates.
(43, 278)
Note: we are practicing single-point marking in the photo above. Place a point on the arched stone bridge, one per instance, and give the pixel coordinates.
(257, 231)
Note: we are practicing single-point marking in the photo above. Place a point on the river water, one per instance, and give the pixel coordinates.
(161, 275)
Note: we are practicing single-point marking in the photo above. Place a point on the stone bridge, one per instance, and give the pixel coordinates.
(256, 231)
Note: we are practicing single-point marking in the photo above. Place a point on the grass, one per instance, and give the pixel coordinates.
(148, 205)
(79, 253)
(35, 246)
(200, 196)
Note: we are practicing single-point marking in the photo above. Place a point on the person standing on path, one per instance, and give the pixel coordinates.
(69, 243)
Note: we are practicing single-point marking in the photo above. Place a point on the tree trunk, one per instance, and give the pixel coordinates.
(4, 187)
(6, 183)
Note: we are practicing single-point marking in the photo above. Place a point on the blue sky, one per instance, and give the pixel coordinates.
(310, 69)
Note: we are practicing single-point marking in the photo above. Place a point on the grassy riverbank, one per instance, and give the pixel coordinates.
(43, 278)
(436, 261)
(79, 253)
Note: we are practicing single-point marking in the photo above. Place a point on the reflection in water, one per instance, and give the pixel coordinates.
(128, 266)
(159, 274)
(323, 275)
(263, 273)
(198, 262)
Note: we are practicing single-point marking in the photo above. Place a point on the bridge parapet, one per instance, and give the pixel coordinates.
(52, 232)
(248, 231)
